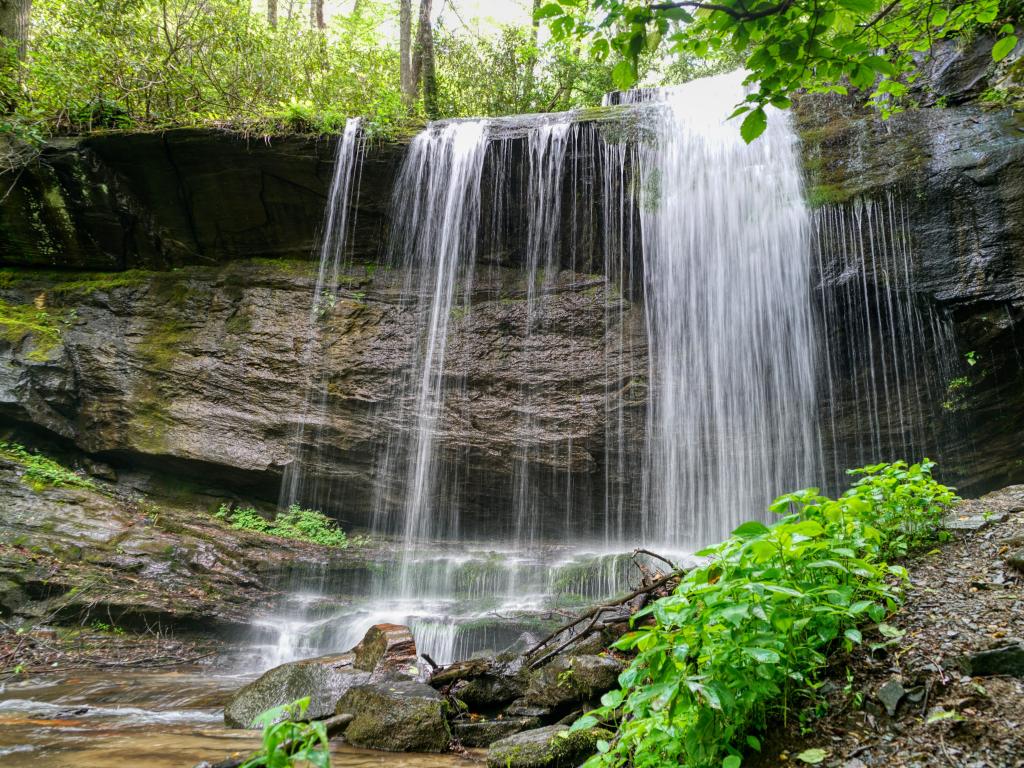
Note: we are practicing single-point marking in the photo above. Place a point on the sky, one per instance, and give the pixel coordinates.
(481, 16)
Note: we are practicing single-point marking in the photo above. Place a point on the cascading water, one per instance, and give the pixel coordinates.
(887, 360)
(728, 303)
(706, 337)
(344, 189)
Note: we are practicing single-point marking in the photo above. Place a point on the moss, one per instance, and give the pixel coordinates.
(825, 194)
(89, 283)
(35, 322)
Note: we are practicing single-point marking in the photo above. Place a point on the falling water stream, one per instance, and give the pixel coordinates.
(724, 256)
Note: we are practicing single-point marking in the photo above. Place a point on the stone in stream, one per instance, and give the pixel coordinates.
(550, 747)
(572, 680)
(386, 650)
(323, 679)
(483, 733)
(397, 716)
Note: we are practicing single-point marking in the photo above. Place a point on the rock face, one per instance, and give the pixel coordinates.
(161, 200)
(78, 554)
(397, 716)
(324, 680)
(202, 371)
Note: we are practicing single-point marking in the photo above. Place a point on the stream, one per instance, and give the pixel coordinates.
(159, 719)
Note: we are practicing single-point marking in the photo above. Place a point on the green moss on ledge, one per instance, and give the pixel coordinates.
(40, 326)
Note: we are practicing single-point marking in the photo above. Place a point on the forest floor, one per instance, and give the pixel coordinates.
(949, 691)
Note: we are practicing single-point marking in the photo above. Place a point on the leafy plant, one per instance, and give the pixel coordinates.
(293, 523)
(788, 45)
(42, 472)
(289, 743)
(745, 634)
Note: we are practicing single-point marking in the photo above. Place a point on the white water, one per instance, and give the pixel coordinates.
(706, 240)
(343, 194)
(729, 319)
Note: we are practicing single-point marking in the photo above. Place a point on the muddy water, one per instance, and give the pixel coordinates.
(166, 719)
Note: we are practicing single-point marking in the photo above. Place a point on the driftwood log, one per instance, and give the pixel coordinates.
(335, 727)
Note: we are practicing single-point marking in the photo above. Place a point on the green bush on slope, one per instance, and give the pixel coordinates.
(745, 633)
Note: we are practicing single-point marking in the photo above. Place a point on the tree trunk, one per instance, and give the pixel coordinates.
(408, 85)
(272, 12)
(423, 60)
(14, 24)
(316, 14)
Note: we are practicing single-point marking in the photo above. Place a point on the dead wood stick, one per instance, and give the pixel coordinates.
(659, 582)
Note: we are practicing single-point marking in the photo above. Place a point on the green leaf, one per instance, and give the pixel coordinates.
(813, 756)
(944, 714)
(853, 635)
(732, 761)
(753, 528)
(1003, 47)
(880, 64)
(858, 6)
(754, 743)
(587, 721)
(548, 11)
(888, 630)
(677, 14)
(763, 655)
(603, 746)
(753, 125)
(624, 74)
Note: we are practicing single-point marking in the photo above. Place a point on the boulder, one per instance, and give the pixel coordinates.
(1006, 659)
(396, 716)
(386, 650)
(483, 733)
(323, 679)
(572, 680)
(550, 747)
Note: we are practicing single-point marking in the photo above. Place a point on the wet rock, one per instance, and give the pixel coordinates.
(959, 521)
(396, 716)
(502, 683)
(1015, 559)
(1007, 659)
(386, 649)
(100, 469)
(891, 694)
(572, 680)
(550, 747)
(483, 733)
(324, 680)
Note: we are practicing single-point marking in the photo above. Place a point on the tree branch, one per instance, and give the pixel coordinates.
(738, 15)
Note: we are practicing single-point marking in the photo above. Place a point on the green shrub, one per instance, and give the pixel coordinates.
(288, 743)
(42, 472)
(293, 523)
(748, 631)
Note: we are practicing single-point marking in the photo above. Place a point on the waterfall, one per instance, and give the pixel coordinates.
(888, 360)
(726, 250)
(338, 223)
(707, 321)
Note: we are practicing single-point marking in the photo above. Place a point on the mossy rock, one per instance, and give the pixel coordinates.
(550, 747)
(324, 680)
(397, 716)
(572, 680)
(483, 733)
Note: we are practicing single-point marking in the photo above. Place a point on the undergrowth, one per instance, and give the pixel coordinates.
(744, 636)
(287, 742)
(293, 523)
(42, 472)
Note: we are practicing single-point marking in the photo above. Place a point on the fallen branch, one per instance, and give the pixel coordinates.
(594, 613)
